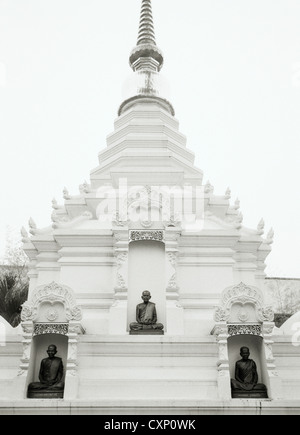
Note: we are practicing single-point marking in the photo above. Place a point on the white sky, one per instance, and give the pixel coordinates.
(234, 70)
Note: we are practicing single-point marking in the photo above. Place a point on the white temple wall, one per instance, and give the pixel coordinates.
(203, 279)
(88, 279)
(198, 321)
(45, 276)
(247, 275)
(95, 321)
(287, 357)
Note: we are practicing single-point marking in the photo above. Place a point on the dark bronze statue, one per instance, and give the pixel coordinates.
(246, 378)
(146, 317)
(50, 376)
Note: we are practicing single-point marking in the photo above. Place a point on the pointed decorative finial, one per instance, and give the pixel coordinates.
(86, 187)
(32, 224)
(66, 194)
(25, 235)
(54, 204)
(146, 54)
(260, 227)
(208, 188)
(228, 193)
(270, 237)
(237, 204)
(239, 220)
(240, 217)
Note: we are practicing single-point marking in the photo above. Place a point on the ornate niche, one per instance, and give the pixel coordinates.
(242, 319)
(52, 315)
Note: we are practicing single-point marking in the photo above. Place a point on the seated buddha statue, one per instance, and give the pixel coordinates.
(246, 383)
(50, 376)
(146, 317)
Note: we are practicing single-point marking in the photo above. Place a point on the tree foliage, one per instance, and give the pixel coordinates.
(14, 281)
(285, 295)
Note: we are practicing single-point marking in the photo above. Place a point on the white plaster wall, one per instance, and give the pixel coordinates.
(88, 279)
(47, 276)
(198, 322)
(147, 272)
(204, 279)
(95, 321)
(246, 275)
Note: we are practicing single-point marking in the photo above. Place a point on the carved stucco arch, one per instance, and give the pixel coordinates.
(70, 327)
(51, 294)
(226, 327)
(243, 294)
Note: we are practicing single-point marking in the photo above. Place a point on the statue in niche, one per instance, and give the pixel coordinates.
(246, 377)
(146, 317)
(50, 376)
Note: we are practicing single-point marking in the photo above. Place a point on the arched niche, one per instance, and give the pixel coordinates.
(156, 273)
(146, 267)
(39, 346)
(255, 343)
(51, 316)
(242, 319)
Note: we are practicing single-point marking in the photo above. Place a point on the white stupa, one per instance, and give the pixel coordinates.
(146, 221)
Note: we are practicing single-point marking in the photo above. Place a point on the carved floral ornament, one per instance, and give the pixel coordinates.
(243, 294)
(157, 236)
(50, 328)
(244, 330)
(51, 294)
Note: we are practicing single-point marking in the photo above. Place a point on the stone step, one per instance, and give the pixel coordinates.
(147, 388)
(90, 362)
(148, 345)
(169, 373)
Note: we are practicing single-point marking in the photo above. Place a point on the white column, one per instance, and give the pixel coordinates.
(19, 384)
(71, 378)
(275, 387)
(224, 387)
(174, 311)
(118, 311)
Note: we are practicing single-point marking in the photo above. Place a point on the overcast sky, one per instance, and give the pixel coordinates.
(234, 71)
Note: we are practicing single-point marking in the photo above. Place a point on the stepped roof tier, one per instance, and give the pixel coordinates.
(146, 159)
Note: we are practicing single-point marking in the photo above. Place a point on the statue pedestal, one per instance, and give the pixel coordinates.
(46, 394)
(147, 332)
(253, 394)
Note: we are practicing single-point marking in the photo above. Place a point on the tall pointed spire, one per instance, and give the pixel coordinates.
(146, 59)
(146, 30)
(146, 54)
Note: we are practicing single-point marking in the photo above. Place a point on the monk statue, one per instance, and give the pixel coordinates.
(146, 317)
(246, 377)
(50, 376)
